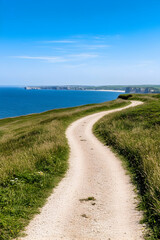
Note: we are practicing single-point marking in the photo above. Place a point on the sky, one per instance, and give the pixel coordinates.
(77, 42)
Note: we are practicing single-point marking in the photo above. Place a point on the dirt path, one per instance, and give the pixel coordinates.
(94, 172)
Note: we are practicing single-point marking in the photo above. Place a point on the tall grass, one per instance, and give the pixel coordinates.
(135, 134)
(33, 159)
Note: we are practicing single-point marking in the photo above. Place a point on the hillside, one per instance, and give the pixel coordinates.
(34, 154)
(134, 135)
(34, 158)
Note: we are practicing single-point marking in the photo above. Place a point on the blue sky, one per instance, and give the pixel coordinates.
(91, 42)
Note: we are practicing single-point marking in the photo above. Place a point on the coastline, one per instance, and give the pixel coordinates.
(102, 90)
(122, 91)
(41, 101)
(99, 90)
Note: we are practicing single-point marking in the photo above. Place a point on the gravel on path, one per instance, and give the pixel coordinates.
(95, 200)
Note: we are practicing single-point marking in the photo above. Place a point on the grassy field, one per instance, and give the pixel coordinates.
(33, 159)
(135, 135)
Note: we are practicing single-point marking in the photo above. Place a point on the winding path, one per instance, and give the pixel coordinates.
(95, 201)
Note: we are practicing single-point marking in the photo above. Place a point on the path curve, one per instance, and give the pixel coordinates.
(97, 173)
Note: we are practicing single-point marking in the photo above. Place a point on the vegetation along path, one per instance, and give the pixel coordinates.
(96, 199)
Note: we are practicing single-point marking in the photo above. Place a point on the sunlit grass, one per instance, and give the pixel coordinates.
(33, 159)
(135, 134)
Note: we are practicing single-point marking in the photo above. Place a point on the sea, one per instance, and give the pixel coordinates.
(17, 101)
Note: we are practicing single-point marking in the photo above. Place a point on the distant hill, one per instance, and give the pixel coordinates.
(142, 90)
(125, 88)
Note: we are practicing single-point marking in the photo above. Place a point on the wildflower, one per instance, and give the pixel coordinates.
(41, 173)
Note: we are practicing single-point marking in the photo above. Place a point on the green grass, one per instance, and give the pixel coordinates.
(135, 135)
(33, 159)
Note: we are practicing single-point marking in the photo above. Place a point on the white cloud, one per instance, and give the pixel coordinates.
(59, 41)
(83, 55)
(46, 58)
(60, 59)
(99, 37)
(98, 46)
(76, 45)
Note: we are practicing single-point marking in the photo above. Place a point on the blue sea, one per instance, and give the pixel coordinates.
(17, 101)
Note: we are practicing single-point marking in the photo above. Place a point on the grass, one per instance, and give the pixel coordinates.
(135, 135)
(33, 159)
(87, 199)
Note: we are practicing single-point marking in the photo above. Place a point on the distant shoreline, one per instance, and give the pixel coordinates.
(100, 90)
(36, 101)
(110, 90)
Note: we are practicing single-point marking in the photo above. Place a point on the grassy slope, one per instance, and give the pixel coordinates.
(33, 159)
(135, 135)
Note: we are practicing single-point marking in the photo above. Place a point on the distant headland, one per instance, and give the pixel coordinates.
(115, 88)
